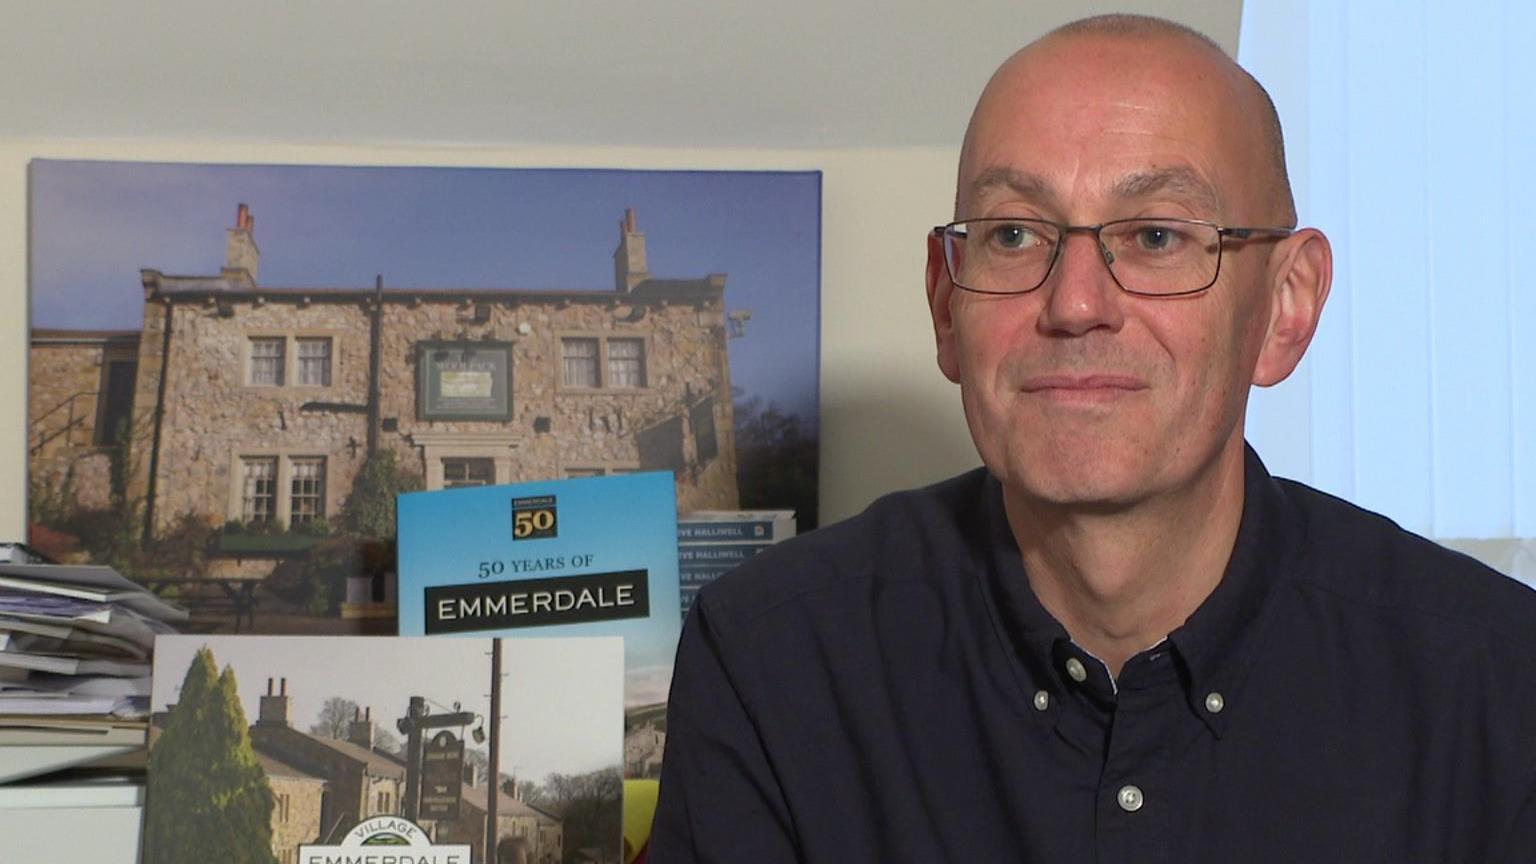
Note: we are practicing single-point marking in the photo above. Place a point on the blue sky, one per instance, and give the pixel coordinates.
(94, 225)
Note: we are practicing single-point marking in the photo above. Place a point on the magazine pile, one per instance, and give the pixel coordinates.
(75, 649)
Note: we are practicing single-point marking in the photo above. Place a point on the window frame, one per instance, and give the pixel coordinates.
(299, 341)
(282, 484)
(604, 361)
(247, 508)
(488, 461)
(252, 358)
(318, 496)
(598, 468)
(290, 365)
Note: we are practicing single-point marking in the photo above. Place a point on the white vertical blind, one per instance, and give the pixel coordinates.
(1411, 129)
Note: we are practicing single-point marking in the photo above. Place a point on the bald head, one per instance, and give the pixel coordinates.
(1149, 64)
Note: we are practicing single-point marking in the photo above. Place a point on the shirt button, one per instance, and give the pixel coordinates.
(1076, 671)
(1042, 700)
(1214, 703)
(1129, 799)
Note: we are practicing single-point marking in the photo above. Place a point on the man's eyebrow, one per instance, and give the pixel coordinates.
(1180, 181)
(1023, 183)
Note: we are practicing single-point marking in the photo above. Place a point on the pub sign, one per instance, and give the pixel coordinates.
(464, 380)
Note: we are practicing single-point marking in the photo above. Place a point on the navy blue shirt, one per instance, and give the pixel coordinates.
(889, 690)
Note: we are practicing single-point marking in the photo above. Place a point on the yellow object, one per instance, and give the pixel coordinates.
(639, 810)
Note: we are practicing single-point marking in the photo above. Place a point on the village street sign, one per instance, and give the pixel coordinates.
(385, 840)
(442, 777)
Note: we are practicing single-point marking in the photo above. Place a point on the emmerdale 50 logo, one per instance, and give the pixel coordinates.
(534, 518)
(385, 840)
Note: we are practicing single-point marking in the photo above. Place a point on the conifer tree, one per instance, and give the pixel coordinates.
(208, 799)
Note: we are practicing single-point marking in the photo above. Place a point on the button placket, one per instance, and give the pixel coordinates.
(1133, 809)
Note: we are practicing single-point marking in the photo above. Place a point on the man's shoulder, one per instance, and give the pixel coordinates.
(902, 536)
(1365, 559)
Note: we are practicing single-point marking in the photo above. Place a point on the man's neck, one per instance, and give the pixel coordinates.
(1121, 581)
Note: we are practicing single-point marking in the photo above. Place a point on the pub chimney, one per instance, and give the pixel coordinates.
(629, 267)
(242, 258)
(273, 710)
(360, 732)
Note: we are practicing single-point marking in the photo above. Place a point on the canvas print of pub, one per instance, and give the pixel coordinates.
(241, 449)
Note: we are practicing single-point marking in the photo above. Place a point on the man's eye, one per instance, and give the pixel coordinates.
(1014, 236)
(1157, 238)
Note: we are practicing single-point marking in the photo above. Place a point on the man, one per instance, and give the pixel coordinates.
(1122, 640)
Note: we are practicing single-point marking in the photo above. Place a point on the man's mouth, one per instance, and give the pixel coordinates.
(1086, 385)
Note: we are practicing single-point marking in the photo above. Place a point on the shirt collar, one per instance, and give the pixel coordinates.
(1215, 645)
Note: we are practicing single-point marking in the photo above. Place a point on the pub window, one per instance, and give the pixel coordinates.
(468, 472)
(602, 362)
(282, 808)
(267, 361)
(314, 362)
(258, 493)
(626, 363)
(580, 357)
(307, 486)
(583, 472)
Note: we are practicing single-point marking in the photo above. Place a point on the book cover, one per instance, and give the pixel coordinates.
(267, 748)
(711, 543)
(581, 556)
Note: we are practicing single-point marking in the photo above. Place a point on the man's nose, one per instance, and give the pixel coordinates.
(1081, 294)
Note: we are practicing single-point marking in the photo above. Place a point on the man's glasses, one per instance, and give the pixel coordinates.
(1151, 257)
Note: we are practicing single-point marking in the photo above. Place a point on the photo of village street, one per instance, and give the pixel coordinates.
(258, 750)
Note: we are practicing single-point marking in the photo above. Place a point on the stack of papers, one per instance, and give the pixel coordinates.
(76, 641)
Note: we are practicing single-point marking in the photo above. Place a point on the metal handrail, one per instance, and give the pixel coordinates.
(70, 424)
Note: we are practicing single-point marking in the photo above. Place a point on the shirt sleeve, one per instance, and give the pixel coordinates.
(720, 802)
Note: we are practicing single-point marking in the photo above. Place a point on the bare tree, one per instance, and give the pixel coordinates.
(389, 742)
(335, 718)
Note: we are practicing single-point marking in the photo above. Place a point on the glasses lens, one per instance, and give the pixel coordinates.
(1000, 256)
(1162, 256)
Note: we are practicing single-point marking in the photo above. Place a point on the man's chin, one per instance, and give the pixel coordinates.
(1091, 483)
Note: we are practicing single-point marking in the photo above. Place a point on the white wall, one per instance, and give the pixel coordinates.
(889, 419)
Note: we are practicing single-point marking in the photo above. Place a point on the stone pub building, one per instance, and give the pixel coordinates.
(239, 402)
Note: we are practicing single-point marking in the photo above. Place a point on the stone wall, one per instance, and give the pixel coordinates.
(393, 790)
(302, 823)
(685, 358)
(65, 381)
(214, 416)
(347, 778)
(61, 399)
(542, 836)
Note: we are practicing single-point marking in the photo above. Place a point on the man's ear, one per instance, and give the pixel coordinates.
(940, 289)
(1300, 274)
